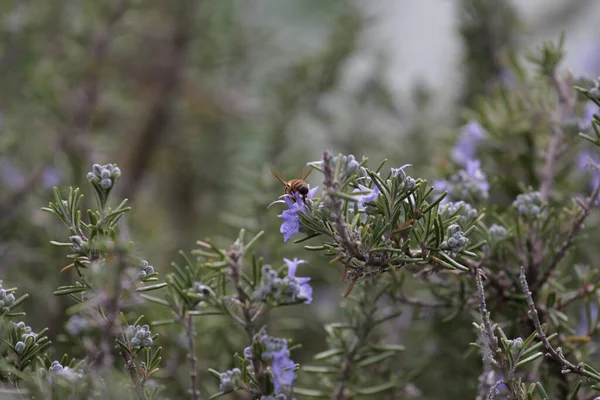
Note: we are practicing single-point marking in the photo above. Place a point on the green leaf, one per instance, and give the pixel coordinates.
(573, 395)
(537, 346)
(530, 358)
(311, 393)
(156, 300)
(387, 318)
(151, 287)
(313, 369)
(214, 373)
(60, 244)
(253, 240)
(70, 290)
(163, 322)
(196, 313)
(219, 394)
(541, 391)
(374, 359)
(327, 354)
(389, 347)
(377, 389)
(456, 264)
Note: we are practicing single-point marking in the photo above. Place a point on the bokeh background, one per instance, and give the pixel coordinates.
(195, 100)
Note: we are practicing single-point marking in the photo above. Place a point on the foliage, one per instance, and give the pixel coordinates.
(469, 273)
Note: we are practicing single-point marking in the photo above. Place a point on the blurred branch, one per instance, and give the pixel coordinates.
(85, 96)
(159, 114)
(189, 331)
(555, 354)
(565, 106)
(487, 28)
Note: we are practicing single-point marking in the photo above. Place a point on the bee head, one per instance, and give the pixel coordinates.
(303, 190)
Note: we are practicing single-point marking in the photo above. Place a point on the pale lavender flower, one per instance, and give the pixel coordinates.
(585, 159)
(465, 149)
(11, 175)
(277, 355)
(588, 115)
(589, 60)
(467, 184)
(291, 219)
(366, 198)
(304, 289)
(506, 77)
(50, 177)
(529, 204)
(584, 325)
(286, 290)
(283, 372)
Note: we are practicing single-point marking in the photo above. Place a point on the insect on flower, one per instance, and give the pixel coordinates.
(295, 185)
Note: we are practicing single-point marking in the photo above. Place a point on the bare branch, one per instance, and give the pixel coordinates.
(555, 353)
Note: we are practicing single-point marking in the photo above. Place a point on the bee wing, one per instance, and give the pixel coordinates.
(306, 172)
(279, 175)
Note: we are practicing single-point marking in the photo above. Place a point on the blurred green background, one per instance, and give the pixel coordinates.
(196, 100)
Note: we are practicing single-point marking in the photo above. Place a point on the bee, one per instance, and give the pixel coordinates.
(295, 185)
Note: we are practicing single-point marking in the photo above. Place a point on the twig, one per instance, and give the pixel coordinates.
(492, 342)
(133, 374)
(189, 331)
(363, 329)
(331, 187)
(159, 114)
(112, 310)
(485, 315)
(85, 96)
(555, 354)
(236, 255)
(564, 106)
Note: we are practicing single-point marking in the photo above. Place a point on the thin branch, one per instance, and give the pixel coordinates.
(133, 374)
(555, 353)
(112, 310)
(236, 255)
(85, 96)
(332, 186)
(508, 371)
(159, 114)
(485, 315)
(189, 331)
(564, 109)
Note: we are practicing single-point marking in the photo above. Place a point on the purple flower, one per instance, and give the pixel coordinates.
(467, 184)
(277, 355)
(588, 115)
(584, 159)
(466, 148)
(584, 325)
(305, 290)
(11, 175)
(589, 60)
(50, 177)
(366, 198)
(291, 219)
(283, 371)
(506, 77)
